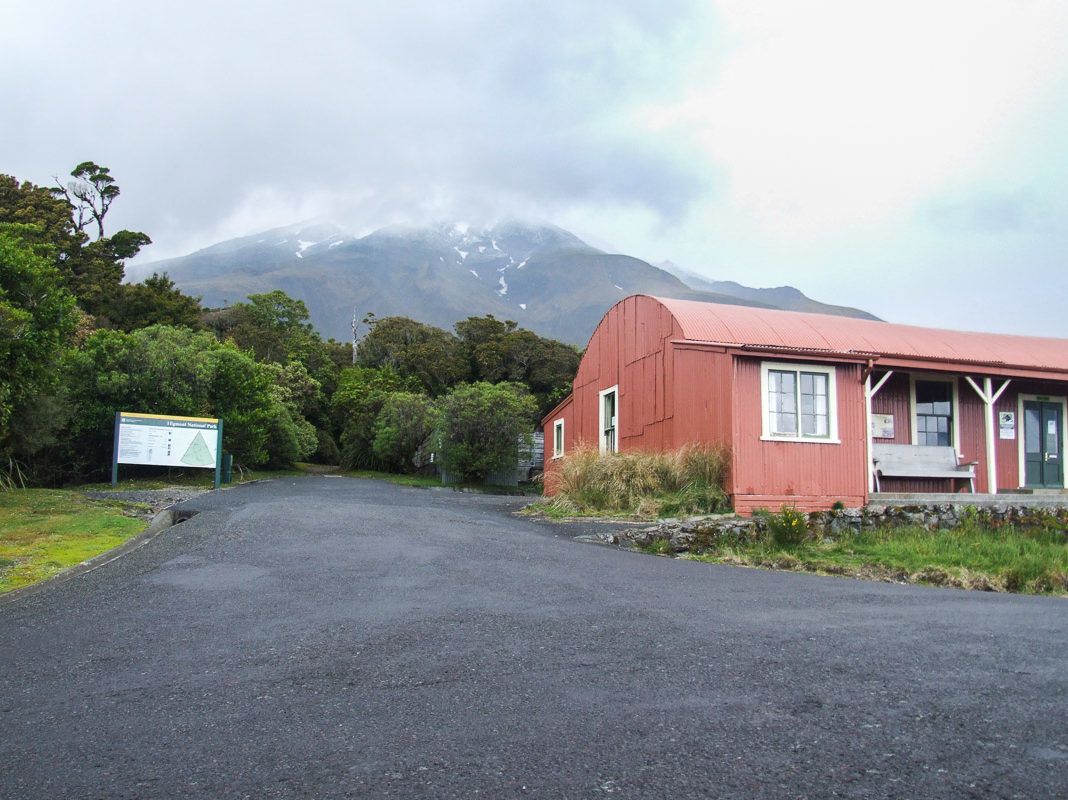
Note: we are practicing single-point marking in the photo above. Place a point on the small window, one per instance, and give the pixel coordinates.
(934, 413)
(558, 438)
(797, 402)
(608, 420)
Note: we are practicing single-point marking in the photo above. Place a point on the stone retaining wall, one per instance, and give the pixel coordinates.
(701, 533)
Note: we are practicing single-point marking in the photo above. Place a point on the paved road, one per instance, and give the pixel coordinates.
(328, 638)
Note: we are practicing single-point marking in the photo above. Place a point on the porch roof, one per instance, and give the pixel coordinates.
(892, 345)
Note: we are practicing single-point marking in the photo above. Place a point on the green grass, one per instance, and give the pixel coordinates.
(1033, 561)
(44, 531)
(404, 480)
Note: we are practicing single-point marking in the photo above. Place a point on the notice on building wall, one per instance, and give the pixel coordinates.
(1006, 424)
(167, 441)
(882, 426)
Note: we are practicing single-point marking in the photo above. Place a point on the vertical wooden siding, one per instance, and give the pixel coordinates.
(565, 412)
(630, 349)
(893, 399)
(804, 475)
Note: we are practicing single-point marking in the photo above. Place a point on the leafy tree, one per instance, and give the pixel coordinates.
(47, 219)
(361, 393)
(37, 318)
(154, 301)
(89, 195)
(402, 431)
(92, 270)
(274, 326)
(481, 424)
(412, 349)
(497, 351)
(165, 370)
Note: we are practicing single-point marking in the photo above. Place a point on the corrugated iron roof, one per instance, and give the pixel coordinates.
(761, 327)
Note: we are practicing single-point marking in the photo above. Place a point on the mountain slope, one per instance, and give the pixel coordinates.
(541, 276)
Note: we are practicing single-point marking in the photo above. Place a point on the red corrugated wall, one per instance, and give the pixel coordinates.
(802, 475)
(630, 349)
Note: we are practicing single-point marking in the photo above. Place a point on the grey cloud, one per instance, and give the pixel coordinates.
(197, 107)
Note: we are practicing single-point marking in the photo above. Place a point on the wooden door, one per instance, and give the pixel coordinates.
(1043, 445)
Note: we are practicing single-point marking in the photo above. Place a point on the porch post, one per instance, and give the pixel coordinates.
(868, 438)
(869, 393)
(989, 397)
(991, 451)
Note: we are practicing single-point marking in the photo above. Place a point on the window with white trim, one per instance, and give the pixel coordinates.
(798, 402)
(607, 419)
(558, 438)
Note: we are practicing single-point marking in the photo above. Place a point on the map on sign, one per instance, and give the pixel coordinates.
(167, 441)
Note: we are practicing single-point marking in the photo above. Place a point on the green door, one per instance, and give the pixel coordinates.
(1043, 460)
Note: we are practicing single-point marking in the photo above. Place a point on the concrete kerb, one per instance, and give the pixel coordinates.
(161, 522)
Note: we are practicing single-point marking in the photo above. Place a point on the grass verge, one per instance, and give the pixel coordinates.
(45, 531)
(1006, 558)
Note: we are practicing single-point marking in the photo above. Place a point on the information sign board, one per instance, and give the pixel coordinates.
(166, 441)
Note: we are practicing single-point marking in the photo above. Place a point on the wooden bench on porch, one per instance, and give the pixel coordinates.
(921, 461)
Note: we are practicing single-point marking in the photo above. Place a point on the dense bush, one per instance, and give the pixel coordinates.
(402, 431)
(37, 319)
(361, 393)
(172, 371)
(481, 424)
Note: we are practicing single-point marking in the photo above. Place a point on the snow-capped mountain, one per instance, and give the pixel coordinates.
(541, 276)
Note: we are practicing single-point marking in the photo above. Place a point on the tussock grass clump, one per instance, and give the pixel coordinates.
(684, 481)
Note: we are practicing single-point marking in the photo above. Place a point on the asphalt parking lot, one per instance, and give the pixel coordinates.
(332, 638)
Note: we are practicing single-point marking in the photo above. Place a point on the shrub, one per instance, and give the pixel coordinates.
(480, 428)
(788, 528)
(402, 429)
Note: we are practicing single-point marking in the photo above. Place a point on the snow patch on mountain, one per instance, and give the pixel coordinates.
(504, 286)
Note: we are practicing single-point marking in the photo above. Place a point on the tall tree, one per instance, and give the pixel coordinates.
(89, 195)
(154, 301)
(92, 270)
(37, 318)
(429, 354)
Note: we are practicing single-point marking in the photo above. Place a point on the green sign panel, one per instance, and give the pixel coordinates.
(165, 441)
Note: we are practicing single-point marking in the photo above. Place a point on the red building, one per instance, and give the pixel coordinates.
(810, 404)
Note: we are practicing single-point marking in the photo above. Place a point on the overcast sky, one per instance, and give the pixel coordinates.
(909, 158)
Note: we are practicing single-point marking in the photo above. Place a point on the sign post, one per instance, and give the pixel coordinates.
(165, 441)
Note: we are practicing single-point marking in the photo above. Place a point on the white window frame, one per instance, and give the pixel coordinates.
(601, 420)
(914, 432)
(558, 438)
(832, 403)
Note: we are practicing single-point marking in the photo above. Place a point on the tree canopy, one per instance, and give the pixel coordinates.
(37, 319)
